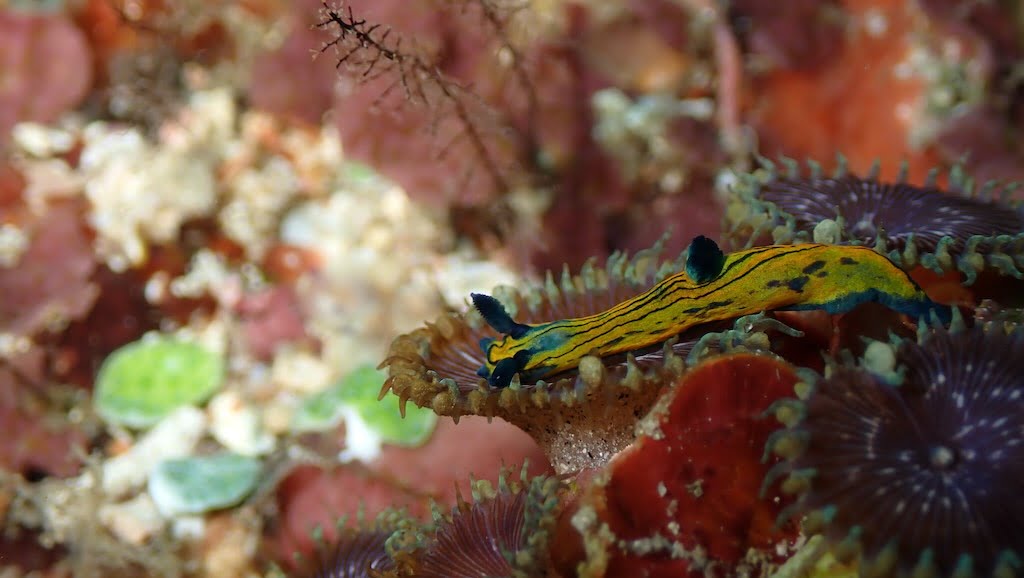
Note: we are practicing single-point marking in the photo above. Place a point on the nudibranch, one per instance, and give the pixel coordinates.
(684, 499)
(713, 287)
(580, 417)
(912, 461)
(967, 229)
(502, 531)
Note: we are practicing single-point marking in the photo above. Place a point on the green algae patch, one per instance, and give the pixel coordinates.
(196, 485)
(322, 411)
(356, 396)
(359, 172)
(144, 381)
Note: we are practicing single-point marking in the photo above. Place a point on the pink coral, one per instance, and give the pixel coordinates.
(44, 68)
(308, 91)
(270, 318)
(44, 443)
(988, 142)
(50, 284)
(310, 498)
(685, 498)
(473, 447)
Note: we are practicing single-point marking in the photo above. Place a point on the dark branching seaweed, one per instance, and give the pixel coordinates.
(370, 51)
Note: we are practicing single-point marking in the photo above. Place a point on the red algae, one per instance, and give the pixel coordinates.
(456, 452)
(796, 35)
(43, 443)
(120, 315)
(402, 109)
(843, 105)
(309, 498)
(685, 499)
(403, 477)
(308, 93)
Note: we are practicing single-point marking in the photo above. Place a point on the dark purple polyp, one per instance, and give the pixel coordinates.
(935, 463)
(900, 209)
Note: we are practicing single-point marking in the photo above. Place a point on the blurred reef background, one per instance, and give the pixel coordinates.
(217, 215)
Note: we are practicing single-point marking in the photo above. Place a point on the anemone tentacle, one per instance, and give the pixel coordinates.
(355, 551)
(966, 228)
(502, 531)
(921, 477)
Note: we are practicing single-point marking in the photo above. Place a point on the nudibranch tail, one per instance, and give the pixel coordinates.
(713, 287)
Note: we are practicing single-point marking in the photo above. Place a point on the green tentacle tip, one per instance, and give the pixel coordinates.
(142, 382)
(196, 485)
(355, 397)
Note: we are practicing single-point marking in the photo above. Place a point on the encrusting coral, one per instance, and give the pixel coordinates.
(967, 228)
(912, 460)
(683, 499)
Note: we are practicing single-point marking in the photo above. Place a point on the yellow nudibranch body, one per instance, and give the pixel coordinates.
(713, 287)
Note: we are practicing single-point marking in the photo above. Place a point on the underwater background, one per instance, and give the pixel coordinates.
(239, 239)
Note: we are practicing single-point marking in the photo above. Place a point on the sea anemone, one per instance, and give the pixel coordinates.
(966, 229)
(683, 499)
(914, 459)
(501, 531)
(355, 552)
(582, 417)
